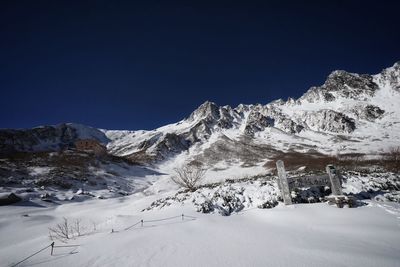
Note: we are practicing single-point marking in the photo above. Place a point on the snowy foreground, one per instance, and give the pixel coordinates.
(299, 235)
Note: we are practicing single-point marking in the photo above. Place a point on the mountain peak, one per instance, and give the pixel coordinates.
(206, 110)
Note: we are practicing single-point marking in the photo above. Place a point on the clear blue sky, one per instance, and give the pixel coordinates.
(132, 65)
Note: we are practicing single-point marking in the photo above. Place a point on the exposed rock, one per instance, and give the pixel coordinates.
(333, 110)
(329, 121)
(8, 199)
(257, 122)
(368, 112)
(390, 77)
(47, 138)
(171, 144)
(342, 84)
(207, 111)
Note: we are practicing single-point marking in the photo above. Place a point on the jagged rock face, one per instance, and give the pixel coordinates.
(262, 117)
(368, 112)
(149, 142)
(208, 111)
(200, 131)
(171, 143)
(209, 115)
(46, 138)
(390, 77)
(257, 122)
(287, 125)
(342, 84)
(227, 117)
(29, 140)
(240, 109)
(329, 121)
(332, 111)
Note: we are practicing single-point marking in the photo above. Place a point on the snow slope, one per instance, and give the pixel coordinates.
(301, 235)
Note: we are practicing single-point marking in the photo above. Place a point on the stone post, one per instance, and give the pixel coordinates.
(335, 180)
(283, 183)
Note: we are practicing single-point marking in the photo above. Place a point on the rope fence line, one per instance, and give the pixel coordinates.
(183, 216)
(62, 246)
(166, 219)
(132, 225)
(53, 246)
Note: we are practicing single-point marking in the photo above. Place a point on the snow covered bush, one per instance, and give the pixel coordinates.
(226, 198)
(262, 192)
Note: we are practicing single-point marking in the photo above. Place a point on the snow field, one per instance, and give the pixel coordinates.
(299, 235)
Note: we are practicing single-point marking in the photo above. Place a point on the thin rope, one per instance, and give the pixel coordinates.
(67, 246)
(132, 225)
(32, 255)
(170, 218)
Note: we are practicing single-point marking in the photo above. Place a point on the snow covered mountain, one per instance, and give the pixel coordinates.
(58, 182)
(349, 113)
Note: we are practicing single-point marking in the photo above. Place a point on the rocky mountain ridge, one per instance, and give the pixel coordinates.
(348, 113)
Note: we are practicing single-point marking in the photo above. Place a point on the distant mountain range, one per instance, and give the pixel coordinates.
(349, 113)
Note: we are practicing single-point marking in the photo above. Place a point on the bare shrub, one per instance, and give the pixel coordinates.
(77, 227)
(94, 225)
(61, 231)
(316, 162)
(312, 160)
(66, 230)
(189, 176)
(394, 154)
(393, 159)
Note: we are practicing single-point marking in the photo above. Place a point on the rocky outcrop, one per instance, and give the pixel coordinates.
(342, 84)
(368, 112)
(390, 77)
(329, 121)
(257, 122)
(208, 111)
(47, 138)
(171, 144)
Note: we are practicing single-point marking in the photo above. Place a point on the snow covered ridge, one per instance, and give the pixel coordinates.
(348, 113)
(71, 175)
(347, 103)
(47, 138)
(262, 192)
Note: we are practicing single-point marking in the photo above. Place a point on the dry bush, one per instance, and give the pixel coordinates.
(393, 159)
(77, 227)
(394, 154)
(189, 176)
(294, 160)
(66, 230)
(61, 231)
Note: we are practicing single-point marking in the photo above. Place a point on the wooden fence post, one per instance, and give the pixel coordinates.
(335, 180)
(283, 183)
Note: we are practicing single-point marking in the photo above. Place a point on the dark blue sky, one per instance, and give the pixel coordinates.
(142, 64)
